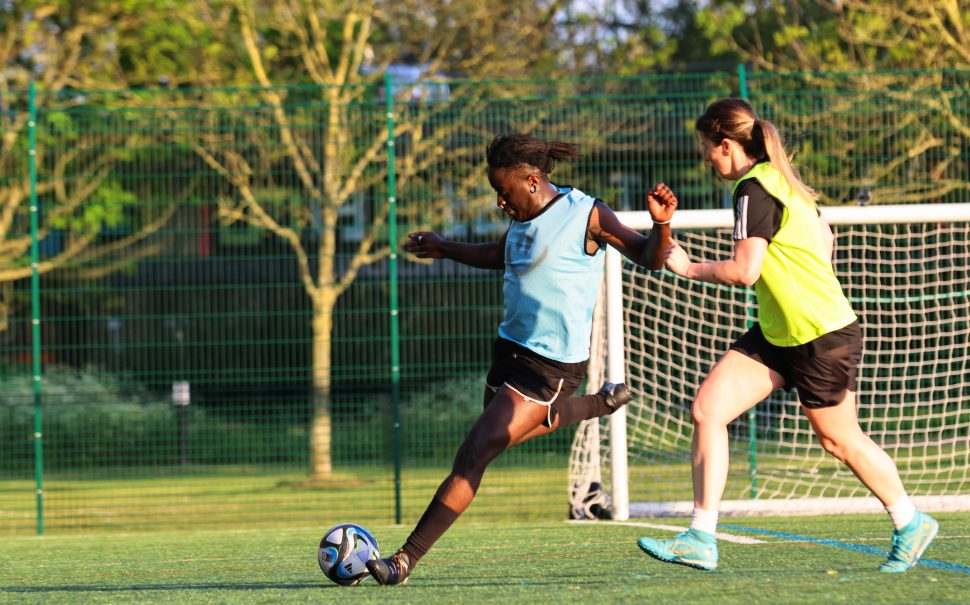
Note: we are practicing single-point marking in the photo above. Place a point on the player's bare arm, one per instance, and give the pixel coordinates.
(743, 269)
(426, 244)
(645, 251)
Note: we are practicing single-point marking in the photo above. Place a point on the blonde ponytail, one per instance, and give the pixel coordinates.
(779, 158)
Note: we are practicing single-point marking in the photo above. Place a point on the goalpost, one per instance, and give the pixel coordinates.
(905, 271)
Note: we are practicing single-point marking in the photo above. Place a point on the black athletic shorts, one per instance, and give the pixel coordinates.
(537, 378)
(821, 370)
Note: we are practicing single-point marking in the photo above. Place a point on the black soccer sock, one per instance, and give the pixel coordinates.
(434, 522)
(572, 410)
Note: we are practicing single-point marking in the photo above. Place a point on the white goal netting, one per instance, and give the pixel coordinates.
(905, 270)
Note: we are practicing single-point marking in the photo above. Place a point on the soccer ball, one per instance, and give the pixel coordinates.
(344, 552)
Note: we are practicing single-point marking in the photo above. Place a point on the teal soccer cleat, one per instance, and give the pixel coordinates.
(693, 548)
(910, 542)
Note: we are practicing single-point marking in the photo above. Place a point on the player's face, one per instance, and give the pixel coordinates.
(716, 155)
(514, 197)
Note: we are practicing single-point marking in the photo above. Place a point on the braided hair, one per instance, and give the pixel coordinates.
(515, 151)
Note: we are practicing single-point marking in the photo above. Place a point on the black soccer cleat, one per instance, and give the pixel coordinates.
(617, 395)
(390, 571)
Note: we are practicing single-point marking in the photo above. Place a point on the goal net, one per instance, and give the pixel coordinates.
(905, 271)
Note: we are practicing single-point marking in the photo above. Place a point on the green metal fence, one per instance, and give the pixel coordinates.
(205, 321)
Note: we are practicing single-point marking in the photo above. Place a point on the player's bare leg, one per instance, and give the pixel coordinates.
(506, 419)
(735, 385)
(839, 432)
(567, 411)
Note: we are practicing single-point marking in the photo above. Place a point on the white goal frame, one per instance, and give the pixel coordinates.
(621, 506)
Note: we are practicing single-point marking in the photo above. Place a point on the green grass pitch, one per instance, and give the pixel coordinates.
(529, 563)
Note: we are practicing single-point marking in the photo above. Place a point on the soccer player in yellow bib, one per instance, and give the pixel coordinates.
(807, 337)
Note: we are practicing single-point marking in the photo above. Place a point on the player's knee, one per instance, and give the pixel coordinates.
(834, 447)
(477, 451)
(697, 414)
(702, 413)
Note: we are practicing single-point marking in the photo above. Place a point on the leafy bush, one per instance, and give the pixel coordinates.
(93, 420)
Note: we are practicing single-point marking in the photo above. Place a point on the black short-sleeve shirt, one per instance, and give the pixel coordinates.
(756, 212)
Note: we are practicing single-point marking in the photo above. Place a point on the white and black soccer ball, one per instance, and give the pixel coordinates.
(344, 552)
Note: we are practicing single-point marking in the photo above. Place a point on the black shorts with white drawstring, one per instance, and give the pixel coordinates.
(536, 378)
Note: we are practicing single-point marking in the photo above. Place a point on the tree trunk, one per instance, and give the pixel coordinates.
(321, 459)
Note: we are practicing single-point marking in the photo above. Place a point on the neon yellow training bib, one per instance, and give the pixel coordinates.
(799, 297)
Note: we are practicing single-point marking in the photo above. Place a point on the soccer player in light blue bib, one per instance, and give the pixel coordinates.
(552, 259)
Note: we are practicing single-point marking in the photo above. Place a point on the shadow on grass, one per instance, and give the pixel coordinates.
(162, 587)
(431, 583)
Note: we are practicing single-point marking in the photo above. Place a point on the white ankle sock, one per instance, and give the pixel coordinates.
(901, 512)
(704, 520)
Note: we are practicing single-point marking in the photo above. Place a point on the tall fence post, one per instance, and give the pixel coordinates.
(35, 307)
(392, 270)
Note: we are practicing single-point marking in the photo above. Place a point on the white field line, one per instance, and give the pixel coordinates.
(674, 528)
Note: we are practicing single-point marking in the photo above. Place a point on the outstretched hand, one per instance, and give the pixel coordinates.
(676, 259)
(662, 203)
(424, 244)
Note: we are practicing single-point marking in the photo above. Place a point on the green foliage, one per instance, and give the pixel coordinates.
(92, 420)
(171, 43)
(82, 416)
(817, 35)
(106, 209)
(436, 418)
(717, 20)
